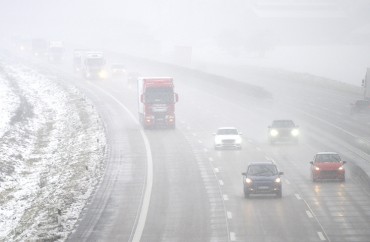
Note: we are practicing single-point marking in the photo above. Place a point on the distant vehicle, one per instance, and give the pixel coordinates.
(156, 99)
(78, 59)
(262, 178)
(94, 65)
(360, 107)
(283, 130)
(118, 70)
(39, 47)
(366, 84)
(327, 165)
(55, 51)
(228, 138)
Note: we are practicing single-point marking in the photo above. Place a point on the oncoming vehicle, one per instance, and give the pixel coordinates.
(228, 137)
(360, 107)
(118, 70)
(262, 178)
(283, 130)
(327, 165)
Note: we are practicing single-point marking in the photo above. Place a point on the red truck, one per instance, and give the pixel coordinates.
(157, 98)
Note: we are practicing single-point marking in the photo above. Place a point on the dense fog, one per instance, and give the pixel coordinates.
(301, 35)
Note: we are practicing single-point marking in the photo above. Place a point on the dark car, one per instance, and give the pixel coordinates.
(360, 106)
(262, 178)
(282, 131)
(327, 165)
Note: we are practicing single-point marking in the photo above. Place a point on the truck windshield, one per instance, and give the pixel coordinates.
(159, 95)
(95, 62)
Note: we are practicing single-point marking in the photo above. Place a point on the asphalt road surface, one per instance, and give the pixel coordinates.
(171, 185)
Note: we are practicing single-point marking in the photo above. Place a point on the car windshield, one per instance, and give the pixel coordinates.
(283, 123)
(327, 158)
(262, 170)
(227, 132)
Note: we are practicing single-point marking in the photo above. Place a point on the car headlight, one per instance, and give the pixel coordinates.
(317, 168)
(248, 180)
(278, 180)
(274, 132)
(238, 140)
(341, 168)
(295, 132)
(218, 140)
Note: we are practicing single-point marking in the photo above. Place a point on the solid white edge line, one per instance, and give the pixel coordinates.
(148, 191)
(321, 236)
(149, 178)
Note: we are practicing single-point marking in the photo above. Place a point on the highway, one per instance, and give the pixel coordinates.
(171, 185)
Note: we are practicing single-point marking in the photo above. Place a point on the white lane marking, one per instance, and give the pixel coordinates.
(309, 214)
(205, 150)
(229, 215)
(258, 148)
(225, 197)
(287, 181)
(147, 192)
(232, 236)
(188, 128)
(210, 159)
(221, 182)
(297, 196)
(321, 236)
(216, 170)
(267, 158)
(200, 142)
(194, 134)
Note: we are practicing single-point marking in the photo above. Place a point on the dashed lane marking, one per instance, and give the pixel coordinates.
(309, 214)
(297, 196)
(258, 148)
(205, 150)
(229, 215)
(321, 236)
(216, 170)
(225, 197)
(210, 159)
(232, 236)
(200, 142)
(221, 182)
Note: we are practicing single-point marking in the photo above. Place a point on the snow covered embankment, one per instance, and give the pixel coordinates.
(51, 156)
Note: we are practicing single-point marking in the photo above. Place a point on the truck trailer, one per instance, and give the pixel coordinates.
(156, 101)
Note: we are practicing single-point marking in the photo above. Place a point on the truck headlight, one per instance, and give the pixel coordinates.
(238, 140)
(274, 132)
(248, 180)
(103, 74)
